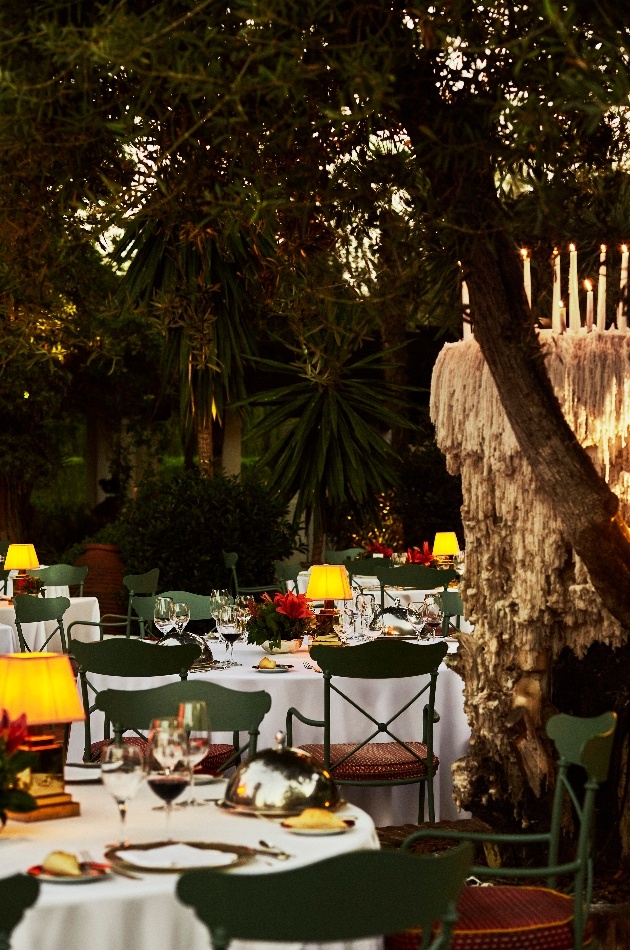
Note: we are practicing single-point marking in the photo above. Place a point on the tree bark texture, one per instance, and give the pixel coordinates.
(15, 508)
(205, 447)
(525, 587)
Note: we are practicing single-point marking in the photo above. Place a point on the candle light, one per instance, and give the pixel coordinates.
(555, 300)
(466, 309)
(527, 275)
(562, 317)
(588, 286)
(622, 317)
(575, 320)
(601, 290)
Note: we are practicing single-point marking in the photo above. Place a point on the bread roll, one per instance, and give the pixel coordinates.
(267, 664)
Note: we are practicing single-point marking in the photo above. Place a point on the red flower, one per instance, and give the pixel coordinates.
(417, 556)
(377, 548)
(293, 606)
(13, 733)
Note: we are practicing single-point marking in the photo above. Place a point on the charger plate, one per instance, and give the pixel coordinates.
(242, 855)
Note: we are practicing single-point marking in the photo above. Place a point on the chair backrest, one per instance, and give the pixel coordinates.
(229, 710)
(60, 575)
(286, 572)
(347, 897)
(17, 894)
(452, 607)
(368, 566)
(29, 609)
(382, 659)
(199, 603)
(144, 608)
(122, 656)
(142, 583)
(340, 557)
(414, 576)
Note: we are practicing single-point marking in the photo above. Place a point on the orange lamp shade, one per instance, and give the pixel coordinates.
(20, 557)
(328, 582)
(40, 685)
(445, 544)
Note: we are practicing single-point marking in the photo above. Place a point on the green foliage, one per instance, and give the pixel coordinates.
(182, 523)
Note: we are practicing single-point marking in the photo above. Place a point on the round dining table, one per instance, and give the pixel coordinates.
(302, 686)
(143, 913)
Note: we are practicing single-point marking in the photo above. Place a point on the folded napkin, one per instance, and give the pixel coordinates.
(177, 856)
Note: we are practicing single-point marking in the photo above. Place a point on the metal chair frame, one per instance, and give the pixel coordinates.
(29, 609)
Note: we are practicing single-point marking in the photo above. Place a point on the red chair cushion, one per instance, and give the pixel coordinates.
(217, 755)
(377, 761)
(505, 918)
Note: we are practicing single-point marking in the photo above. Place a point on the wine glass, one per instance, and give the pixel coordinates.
(122, 773)
(218, 600)
(433, 613)
(180, 614)
(228, 629)
(162, 614)
(417, 617)
(194, 719)
(169, 770)
(365, 607)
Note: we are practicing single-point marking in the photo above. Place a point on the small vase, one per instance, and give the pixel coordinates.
(286, 646)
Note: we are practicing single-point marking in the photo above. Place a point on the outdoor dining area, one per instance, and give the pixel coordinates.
(314, 475)
(212, 768)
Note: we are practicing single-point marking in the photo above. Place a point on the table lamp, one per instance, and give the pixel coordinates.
(445, 548)
(43, 687)
(20, 558)
(328, 582)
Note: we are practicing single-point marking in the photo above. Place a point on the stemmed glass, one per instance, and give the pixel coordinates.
(194, 720)
(228, 629)
(168, 769)
(163, 615)
(180, 614)
(218, 600)
(365, 607)
(433, 613)
(416, 615)
(122, 773)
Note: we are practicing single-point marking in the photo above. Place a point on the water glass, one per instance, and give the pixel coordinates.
(417, 617)
(122, 772)
(180, 614)
(193, 718)
(163, 614)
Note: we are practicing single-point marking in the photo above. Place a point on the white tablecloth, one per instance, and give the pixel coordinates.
(304, 689)
(121, 914)
(35, 634)
(9, 642)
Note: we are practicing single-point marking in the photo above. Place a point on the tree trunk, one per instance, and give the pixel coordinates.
(204, 447)
(15, 509)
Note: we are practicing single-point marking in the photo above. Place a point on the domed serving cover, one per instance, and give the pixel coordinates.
(281, 781)
(173, 639)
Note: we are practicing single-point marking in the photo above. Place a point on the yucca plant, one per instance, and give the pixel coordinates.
(329, 422)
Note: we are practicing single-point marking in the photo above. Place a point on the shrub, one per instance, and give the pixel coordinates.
(183, 523)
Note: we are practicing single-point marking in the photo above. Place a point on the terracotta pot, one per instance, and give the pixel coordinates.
(104, 579)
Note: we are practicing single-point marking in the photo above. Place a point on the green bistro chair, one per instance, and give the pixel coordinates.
(453, 610)
(347, 897)
(367, 567)
(340, 557)
(30, 609)
(17, 894)
(366, 762)
(538, 917)
(124, 657)
(135, 583)
(229, 710)
(414, 577)
(61, 575)
(230, 559)
(286, 572)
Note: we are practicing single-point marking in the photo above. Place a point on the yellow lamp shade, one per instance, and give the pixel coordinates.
(40, 685)
(445, 544)
(20, 557)
(329, 582)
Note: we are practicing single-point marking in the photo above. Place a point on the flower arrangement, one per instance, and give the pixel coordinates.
(13, 761)
(287, 617)
(422, 555)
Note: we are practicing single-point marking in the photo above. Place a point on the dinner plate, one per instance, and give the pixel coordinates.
(79, 775)
(175, 857)
(349, 823)
(92, 871)
(273, 669)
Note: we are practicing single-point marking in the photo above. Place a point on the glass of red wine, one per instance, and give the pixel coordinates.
(168, 766)
(229, 630)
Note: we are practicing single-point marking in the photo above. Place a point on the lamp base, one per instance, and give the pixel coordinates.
(326, 619)
(51, 806)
